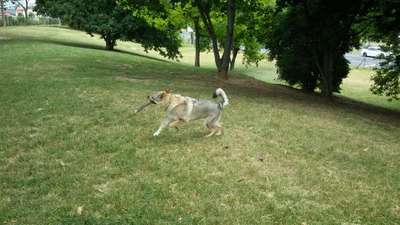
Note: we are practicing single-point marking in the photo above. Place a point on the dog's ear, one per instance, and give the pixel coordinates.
(167, 90)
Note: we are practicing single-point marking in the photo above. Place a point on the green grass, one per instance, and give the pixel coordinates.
(69, 139)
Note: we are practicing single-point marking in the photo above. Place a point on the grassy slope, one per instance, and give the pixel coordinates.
(69, 139)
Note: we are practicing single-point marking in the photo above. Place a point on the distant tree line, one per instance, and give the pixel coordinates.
(20, 20)
(306, 38)
(142, 21)
(25, 18)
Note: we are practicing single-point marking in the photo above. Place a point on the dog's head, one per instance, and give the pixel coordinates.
(160, 97)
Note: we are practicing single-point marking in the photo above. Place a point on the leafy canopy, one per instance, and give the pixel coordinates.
(381, 24)
(309, 38)
(118, 20)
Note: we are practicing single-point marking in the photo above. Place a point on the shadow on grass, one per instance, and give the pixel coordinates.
(244, 86)
(98, 47)
(85, 46)
(256, 89)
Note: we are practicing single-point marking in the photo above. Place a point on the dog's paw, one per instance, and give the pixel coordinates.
(156, 134)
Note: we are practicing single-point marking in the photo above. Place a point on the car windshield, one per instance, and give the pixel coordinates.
(374, 48)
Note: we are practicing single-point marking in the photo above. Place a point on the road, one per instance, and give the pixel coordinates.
(357, 60)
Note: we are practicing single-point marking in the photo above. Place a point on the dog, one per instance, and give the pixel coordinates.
(183, 109)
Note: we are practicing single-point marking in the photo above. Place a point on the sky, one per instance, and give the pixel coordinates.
(31, 2)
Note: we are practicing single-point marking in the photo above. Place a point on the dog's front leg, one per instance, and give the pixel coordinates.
(163, 125)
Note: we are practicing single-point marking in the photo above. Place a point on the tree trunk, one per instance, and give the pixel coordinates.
(233, 60)
(325, 68)
(26, 15)
(221, 63)
(110, 43)
(197, 42)
(327, 75)
(226, 57)
(205, 16)
(26, 7)
(3, 17)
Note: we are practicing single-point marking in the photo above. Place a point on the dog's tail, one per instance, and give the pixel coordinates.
(225, 100)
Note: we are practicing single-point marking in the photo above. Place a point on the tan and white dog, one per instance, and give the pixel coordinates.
(181, 109)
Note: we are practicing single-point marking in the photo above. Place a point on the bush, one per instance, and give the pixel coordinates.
(20, 20)
(309, 38)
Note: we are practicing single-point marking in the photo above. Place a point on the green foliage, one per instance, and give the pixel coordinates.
(382, 24)
(387, 76)
(249, 30)
(21, 18)
(183, 15)
(20, 21)
(252, 53)
(245, 33)
(286, 42)
(115, 21)
(309, 38)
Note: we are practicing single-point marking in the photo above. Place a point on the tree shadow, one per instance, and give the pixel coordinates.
(98, 47)
(244, 86)
(85, 46)
(258, 89)
(247, 86)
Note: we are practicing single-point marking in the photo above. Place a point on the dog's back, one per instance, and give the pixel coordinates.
(205, 108)
(208, 110)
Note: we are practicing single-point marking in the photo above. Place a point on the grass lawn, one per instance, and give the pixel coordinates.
(73, 152)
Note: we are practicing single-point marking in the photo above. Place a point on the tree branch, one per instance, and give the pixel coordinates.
(20, 4)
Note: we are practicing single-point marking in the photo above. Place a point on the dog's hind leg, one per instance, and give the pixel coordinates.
(214, 125)
(211, 133)
(175, 124)
(209, 124)
(215, 128)
(220, 130)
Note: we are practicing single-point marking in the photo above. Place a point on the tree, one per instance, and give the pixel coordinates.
(225, 34)
(116, 21)
(200, 43)
(387, 76)
(3, 15)
(309, 38)
(247, 31)
(205, 8)
(24, 4)
(381, 24)
(184, 15)
(245, 39)
(196, 24)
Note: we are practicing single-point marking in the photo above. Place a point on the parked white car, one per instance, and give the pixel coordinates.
(373, 51)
